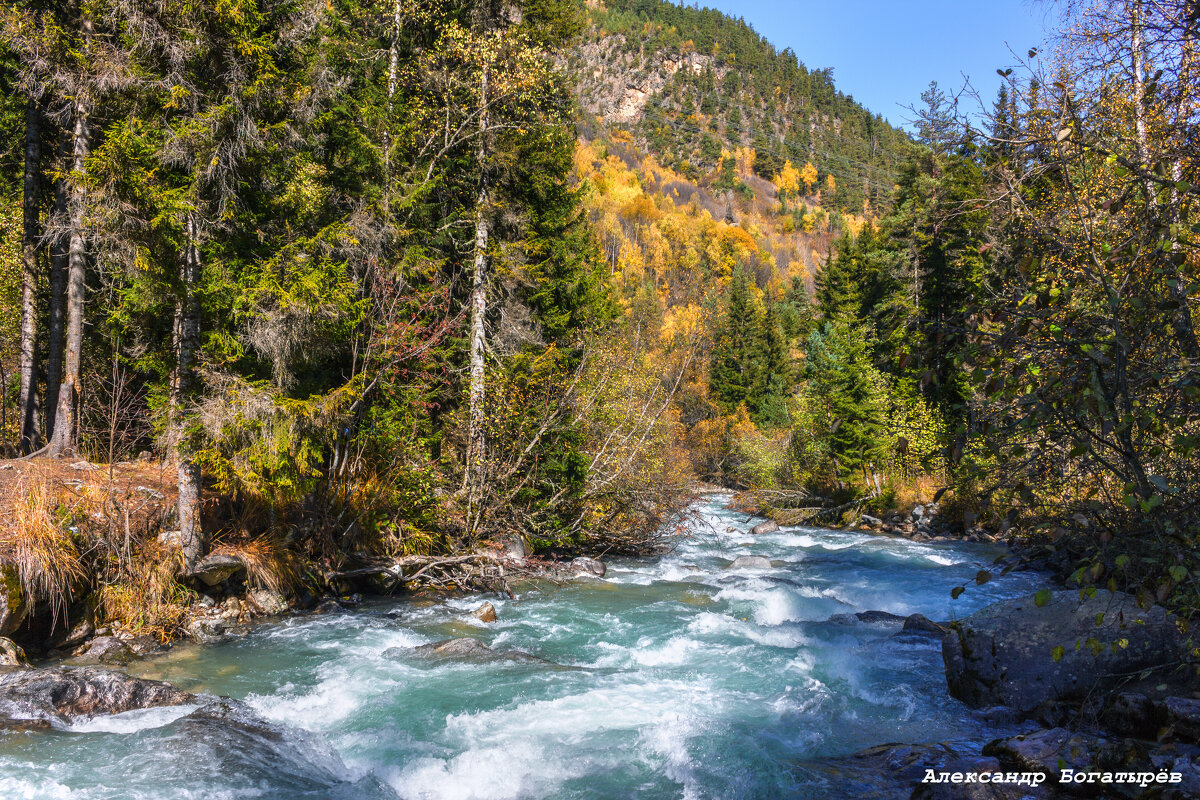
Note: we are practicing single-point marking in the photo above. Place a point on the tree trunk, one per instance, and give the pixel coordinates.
(58, 308)
(476, 444)
(29, 437)
(191, 532)
(65, 437)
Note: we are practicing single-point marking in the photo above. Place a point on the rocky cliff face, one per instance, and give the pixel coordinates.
(616, 81)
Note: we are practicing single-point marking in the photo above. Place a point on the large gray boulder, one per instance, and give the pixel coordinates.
(1005, 654)
(770, 526)
(56, 694)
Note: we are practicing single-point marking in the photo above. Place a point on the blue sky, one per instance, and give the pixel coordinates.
(886, 53)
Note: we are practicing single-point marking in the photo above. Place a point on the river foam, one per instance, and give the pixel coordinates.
(672, 678)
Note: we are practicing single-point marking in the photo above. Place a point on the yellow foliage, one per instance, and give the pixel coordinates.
(809, 176)
(788, 180)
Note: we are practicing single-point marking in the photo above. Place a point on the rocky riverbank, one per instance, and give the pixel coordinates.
(1108, 692)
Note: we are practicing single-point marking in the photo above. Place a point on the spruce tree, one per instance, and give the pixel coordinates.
(737, 359)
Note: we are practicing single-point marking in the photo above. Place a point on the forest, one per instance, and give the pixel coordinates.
(362, 281)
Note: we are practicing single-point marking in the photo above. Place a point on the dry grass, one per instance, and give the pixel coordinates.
(146, 598)
(42, 547)
(269, 564)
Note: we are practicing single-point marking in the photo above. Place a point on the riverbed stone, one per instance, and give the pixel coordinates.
(467, 649)
(105, 650)
(589, 566)
(750, 562)
(59, 693)
(770, 526)
(919, 623)
(1004, 654)
(267, 602)
(205, 629)
(872, 617)
(485, 613)
(216, 569)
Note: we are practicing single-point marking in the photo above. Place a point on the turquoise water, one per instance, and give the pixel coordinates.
(677, 678)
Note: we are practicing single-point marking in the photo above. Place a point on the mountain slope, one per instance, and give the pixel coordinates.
(689, 83)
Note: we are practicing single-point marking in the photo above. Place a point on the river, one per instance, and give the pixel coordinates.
(679, 678)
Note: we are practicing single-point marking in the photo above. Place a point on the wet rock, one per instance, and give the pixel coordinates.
(327, 606)
(59, 693)
(750, 562)
(105, 650)
(1051, 751)
(878, 616)
(871, 522)
(12, 600)
(1183, 717)
(589, 566)
(467, 649)
(205, 630)
(227, 738)
(145, 645)
(895, 770)
(919, 623)
(11, 654)
(770, 526)
(1182, 759)
(1154, 717)
(1003, 655)
(1132, 714)
(485, 613)
(266, 602)
(977, 791)
(216, 569)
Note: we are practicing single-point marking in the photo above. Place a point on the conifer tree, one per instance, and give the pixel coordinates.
(736, 371)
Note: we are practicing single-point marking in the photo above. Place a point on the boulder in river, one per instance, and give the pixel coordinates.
(919, 623)
(205, 629)
(750, 562)
(58, 693)
(217, 568)
(588, 566)
(770, 526)
(878, 616)
(485, 613)
(1005, 654)
(105, 650)
(468, 649)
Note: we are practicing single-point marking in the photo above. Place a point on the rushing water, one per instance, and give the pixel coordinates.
(679, 679)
